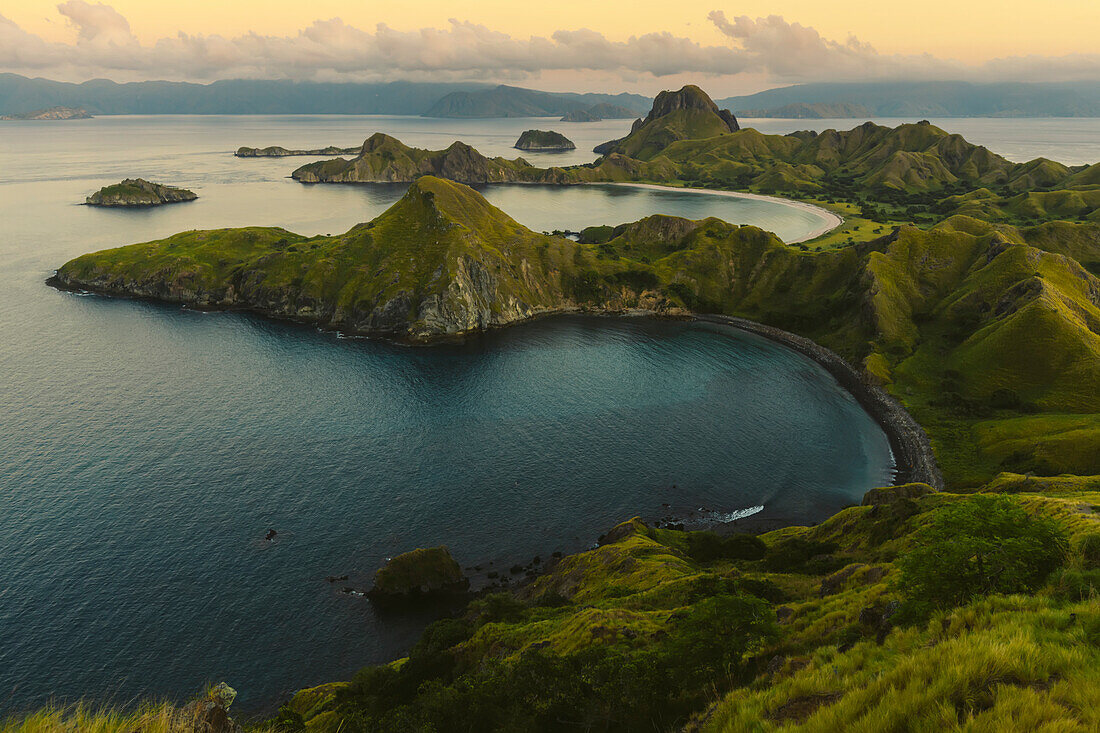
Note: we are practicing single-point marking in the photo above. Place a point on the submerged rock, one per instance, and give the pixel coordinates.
(421, 572)
(139, 192)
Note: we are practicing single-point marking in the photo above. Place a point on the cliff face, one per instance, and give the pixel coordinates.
(139, 192)
(442, 261)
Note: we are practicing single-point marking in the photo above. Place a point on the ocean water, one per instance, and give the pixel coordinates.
(146, 450)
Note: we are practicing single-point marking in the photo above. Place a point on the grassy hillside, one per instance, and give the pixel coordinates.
(805, 628)
(967, 323)
(972, 609)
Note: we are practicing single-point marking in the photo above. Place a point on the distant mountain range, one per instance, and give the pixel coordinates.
(923, 99)
(21, 95)
(506, 101)
(18, 95)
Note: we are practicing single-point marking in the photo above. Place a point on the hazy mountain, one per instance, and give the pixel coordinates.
(18, 94)
(933, 99)
(506, 101)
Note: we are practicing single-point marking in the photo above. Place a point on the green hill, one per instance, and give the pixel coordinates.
(384, 159)
(683, 115)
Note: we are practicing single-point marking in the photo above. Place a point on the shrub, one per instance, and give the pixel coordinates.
(1088, 549)
(975, 547)
(795, 554)
(708, 547)
(1071, 584)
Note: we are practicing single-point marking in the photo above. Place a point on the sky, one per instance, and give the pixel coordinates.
(587, 45)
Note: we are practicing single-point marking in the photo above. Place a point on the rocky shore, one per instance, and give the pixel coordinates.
(913, 457)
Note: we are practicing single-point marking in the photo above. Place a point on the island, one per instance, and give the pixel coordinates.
(276, 151)
(544, 141)
(139, 192)
(53, 113)
(965, 319)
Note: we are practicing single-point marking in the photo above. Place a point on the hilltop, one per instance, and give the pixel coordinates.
(384, 159)
(686, 114)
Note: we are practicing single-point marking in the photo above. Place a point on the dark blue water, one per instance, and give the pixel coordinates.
(145, 450)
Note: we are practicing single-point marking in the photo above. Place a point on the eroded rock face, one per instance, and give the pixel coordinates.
(689, 97)
(419, 573)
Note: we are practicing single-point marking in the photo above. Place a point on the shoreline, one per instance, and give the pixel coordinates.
(830, 219)
(914, 460)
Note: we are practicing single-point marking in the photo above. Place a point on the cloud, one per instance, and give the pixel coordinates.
(793, 52)
(768, 48)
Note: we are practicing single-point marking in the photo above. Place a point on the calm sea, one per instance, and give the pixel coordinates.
(146, 450)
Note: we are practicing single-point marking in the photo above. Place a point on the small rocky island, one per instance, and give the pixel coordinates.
(139, 192)
(53, 113)
(544, 141)
(276, 151)
(420, 573)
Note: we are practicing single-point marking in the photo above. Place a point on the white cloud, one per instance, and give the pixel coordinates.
(761, 48)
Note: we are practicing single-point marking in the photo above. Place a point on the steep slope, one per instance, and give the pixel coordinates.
(686, 114)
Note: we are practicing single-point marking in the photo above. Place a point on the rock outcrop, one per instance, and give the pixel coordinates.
(419, 573)
(139, 192)
(544, 141)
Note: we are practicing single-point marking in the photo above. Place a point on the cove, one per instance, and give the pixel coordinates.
(135, 555)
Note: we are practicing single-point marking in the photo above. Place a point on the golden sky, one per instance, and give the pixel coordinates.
(968, 30)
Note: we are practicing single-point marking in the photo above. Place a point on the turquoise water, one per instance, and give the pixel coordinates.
(146, 450)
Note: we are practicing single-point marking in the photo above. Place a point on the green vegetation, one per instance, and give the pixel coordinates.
(971, 609)
(976, 548)
(139, 192)
(545, 140)
(655, 629)
(420, 572)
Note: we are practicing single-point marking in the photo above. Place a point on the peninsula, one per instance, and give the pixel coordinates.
(276, 151)
(139, 192)
(543, 141)
(53, 113)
